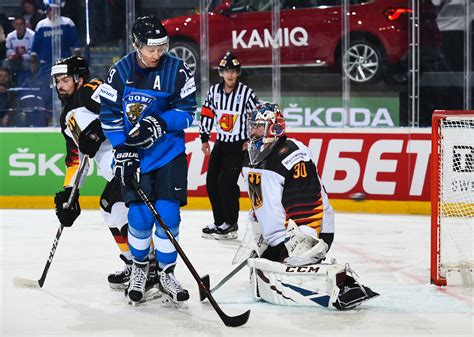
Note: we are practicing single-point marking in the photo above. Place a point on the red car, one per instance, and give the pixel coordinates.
(310, 34)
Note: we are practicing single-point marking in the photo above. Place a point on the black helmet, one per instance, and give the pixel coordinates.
(229, 61)
(74, 66)
(149, 31)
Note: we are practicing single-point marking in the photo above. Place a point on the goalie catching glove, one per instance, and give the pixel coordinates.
(146, 132)
(67, 216)
(303, 245)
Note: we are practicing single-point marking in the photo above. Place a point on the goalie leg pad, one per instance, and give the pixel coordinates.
(281, 284)
(329, 285)
(252, 241)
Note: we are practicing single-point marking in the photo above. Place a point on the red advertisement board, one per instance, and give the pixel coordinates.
(382, 164)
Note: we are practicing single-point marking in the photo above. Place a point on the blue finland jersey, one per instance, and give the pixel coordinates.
(132, 93)
(43, 39)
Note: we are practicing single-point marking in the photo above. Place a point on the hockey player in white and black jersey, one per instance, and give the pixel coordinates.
(83, 134)
(291, 225)
(227, 104)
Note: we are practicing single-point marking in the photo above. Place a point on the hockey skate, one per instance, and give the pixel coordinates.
(136, 289)
(173, 293)
(208, 231)
(226, 232)
(120, 279)
(151, 287)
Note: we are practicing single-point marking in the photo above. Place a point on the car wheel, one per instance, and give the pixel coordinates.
(188, 52)
(362, 62)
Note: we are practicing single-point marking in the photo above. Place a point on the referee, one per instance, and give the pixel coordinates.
(226, 105)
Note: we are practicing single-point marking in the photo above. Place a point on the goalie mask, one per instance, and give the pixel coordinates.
(74, 66)
(266, 124)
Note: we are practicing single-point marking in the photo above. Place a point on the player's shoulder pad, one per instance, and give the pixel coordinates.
(292, 152)
(106, 91)
(88, 95)
(185, 80)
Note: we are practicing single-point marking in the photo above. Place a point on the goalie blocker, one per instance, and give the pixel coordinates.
(327, 285)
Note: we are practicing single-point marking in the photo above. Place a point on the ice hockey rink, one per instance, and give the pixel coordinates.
(389, 252)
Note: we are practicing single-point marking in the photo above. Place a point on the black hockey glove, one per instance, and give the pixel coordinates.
(91, 138)
(127, 164)
(146, 132)
(67, 216)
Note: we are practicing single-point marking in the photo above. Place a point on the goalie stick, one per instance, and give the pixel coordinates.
(28, 283)
(205, 279)
(232, 321)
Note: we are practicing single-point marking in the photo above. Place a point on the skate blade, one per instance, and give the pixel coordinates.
(230, 236)
(169, 302)
(150, 295)
(118, 286)
(207, 236)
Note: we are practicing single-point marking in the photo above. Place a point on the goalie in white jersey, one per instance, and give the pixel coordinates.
(291, 225)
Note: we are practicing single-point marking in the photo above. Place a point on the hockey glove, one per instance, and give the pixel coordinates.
(146, 132)
(303, 248)
(67, 216)
(127, 164)
(91, 138)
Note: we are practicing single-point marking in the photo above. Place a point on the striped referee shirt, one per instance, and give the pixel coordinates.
(229, 111)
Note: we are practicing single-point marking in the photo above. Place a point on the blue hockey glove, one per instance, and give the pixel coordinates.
(127, 164)
(146, 132)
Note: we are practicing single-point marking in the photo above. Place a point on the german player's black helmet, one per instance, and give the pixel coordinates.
(229, 61)
(149, 31)
(74, 66)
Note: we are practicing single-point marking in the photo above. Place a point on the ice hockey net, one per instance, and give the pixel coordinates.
(452, 197)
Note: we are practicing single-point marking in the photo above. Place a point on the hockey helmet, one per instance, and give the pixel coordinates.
(53, 3)
(149, 31)
(229, 61)
(266, 124)
(74, 66)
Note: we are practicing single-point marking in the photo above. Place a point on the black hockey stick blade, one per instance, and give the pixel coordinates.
(235, 321)
(207, 283)
(232, 321)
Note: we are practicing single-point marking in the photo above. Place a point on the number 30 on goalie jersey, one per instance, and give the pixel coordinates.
(287, 185)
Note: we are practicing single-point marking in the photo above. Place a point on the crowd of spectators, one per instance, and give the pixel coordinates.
(26, 51)
(26, 59)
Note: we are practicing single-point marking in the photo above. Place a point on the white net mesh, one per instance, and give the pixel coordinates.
(456, 195)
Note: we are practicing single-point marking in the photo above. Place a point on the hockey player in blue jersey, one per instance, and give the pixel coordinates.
(147, 102)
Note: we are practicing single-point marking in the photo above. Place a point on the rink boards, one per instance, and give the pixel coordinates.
(363, 170)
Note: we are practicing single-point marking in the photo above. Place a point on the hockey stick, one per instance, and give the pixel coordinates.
(205, 279)
(233, 321)
(28, 283)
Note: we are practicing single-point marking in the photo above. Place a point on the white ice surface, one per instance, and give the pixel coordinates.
(390, 253)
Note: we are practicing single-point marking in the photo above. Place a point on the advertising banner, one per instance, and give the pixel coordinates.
(381, 166)
(310, 112)
(377, 165)
(32, 164)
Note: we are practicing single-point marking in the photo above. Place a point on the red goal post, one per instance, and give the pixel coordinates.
(452, 197)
